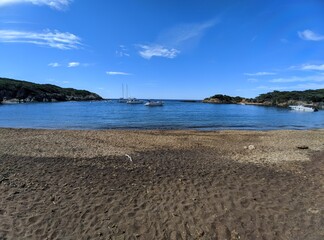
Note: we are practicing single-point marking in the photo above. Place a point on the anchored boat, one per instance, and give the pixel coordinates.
(301, 108)
(134, 101)
(154, 103)
(123, 99)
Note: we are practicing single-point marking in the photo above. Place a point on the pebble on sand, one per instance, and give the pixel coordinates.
(250, 147)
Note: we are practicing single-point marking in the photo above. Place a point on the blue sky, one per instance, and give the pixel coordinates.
(165, 49)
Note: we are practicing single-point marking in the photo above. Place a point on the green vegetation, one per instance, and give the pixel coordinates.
(22, 91)
(276, 98)
(219, 98)
(226, 98)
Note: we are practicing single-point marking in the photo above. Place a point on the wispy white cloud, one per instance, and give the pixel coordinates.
(303, 86)
(15, 21)
(54, 39)
(118, 73)
(312, 67)
(309, 86)
(149, 51)
(122, 51)
(182, 33)
(69, 64)
(88, 64)
(270, 88)
(54, 64)
(313, 78)
(55, 4)
(306, 67)
(310, 35)
(73, 64)
(171, 42)
(260, 74)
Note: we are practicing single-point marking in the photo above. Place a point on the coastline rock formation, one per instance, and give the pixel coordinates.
(314, 98)
(15, 91)
(223, 99)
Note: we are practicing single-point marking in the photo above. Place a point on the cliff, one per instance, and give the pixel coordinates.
(276, 98)
(21, 91)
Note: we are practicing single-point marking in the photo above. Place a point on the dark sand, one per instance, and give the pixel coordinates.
(179, 185)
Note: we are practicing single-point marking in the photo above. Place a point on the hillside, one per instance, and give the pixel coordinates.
(21, 91)
(286, 98)
(275, 98)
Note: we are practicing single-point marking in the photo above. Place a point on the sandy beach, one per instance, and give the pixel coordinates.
(57, 184)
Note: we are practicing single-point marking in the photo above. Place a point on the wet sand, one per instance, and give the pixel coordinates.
(161, 184)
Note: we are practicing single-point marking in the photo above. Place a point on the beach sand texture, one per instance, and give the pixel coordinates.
(57, 184)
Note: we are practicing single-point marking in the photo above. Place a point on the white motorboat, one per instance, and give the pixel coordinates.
(154, 103)
(301, 108)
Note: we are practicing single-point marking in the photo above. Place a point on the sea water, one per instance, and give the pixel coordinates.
(173, 115)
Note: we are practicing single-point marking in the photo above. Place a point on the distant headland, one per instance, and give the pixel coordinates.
(276, 98)
(16, 91)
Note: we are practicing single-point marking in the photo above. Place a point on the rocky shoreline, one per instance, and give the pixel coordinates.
(311, 98)
(30, 99)
(267, 104)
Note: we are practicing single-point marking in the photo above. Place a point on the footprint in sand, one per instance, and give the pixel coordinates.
(223, 232)
(33, 219)
(245, 203)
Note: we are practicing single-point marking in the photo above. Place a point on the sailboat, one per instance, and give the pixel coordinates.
(122, 99)
(134, 101)
(130, 100)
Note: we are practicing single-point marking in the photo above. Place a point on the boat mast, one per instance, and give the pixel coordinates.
(123, 90)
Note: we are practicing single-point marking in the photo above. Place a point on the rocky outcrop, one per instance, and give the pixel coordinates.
(223, 99)
(314, 98)
(14, 91)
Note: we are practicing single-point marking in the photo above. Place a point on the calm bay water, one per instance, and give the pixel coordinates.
(173, 115)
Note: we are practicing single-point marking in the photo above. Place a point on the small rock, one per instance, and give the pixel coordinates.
(251, 147)
(200, 232)
(302, 147)
(313, 210)
(235, 235)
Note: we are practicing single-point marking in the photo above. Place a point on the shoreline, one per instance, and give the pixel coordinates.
(161, 184)
(193, 129)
